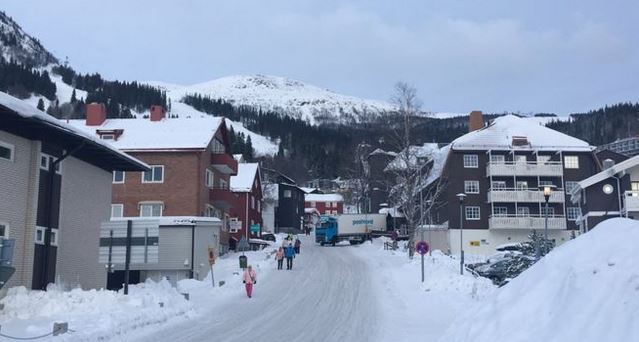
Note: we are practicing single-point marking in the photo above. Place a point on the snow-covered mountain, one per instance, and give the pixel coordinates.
(17, 45)
(295, 98)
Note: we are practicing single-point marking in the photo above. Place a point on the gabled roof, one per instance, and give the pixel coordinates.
(246, 174)
(142, 134)
(20, 118)
(607, 173)
(415, 152)
(500, 133)
(324, 198)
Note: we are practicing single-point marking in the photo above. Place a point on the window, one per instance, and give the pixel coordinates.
(550, 211)
(573, 213)
(39, 235)
(334, 212)
(500, 211)
(523, 211)
(259, 206)
(118, 177)
(6, 151)
(117, 210)
(107, 137)
(210, 211)
(471, 187)
(54, 237)
(4, 230)
(253, 202)
(313, 204)
(521, 159)
(46, 160)
(570, 186)
(497, 158)
(571, 162)
(471, 161)
(287, 194)
(472, 213)
(522, 185)
(209, 179)
(155, 175)
(151, 209)
(499, 185)
(223, 184)
(328, 212)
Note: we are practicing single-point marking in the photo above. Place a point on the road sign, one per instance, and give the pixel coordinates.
(211, 256)
(255, 228)
(422, 247)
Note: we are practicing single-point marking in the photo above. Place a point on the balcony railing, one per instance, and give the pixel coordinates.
(224, 163)
(523, 195)
(631, 200)
(222, 197)
(531, 168)
(526, 222)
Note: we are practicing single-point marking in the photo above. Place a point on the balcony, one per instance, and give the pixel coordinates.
(224, 163)
(631, 201)
(512, 195)
(531, 168)
(526, 222)
(222, 197)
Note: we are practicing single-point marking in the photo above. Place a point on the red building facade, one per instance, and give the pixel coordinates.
(326, 204)
(247, 206)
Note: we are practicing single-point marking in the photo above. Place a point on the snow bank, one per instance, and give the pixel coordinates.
(413, 310)
(92, 314)
(585, 290)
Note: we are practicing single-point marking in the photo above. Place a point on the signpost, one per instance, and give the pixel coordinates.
(211, 263)
(422, 248)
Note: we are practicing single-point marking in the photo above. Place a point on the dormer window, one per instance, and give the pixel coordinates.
(107, 137)
(109, 134)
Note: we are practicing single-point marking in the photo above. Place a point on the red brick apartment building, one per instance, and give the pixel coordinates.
(326, 204)
(247, 208)
(190, 158)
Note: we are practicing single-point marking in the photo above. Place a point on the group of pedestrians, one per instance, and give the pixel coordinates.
(288, 250)
(290, 247)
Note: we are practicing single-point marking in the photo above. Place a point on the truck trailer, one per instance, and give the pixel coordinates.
(354, 228)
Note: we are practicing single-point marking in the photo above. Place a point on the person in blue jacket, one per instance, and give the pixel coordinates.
(289, 253)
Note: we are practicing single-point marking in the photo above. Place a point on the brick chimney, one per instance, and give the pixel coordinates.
(475, 120)
(157, 113)
(96, 114)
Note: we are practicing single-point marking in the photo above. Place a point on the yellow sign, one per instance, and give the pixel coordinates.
(474, 243)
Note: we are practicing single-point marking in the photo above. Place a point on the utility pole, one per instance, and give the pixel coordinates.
(461, 197)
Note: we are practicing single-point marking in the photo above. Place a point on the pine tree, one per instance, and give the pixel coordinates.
(41, 104)
(73, 99)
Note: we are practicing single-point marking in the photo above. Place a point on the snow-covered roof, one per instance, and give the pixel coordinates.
(246, 173)
(271, 191)
(238, 157)
(324, 198)
(27, 111)
(609, 172)
(415, 152)
(499, 135)
(439, 161)
(380, 151)
(142, 134)
(307, 190)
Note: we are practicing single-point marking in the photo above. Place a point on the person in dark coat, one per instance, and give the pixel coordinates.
(298, 244)
(289, 253)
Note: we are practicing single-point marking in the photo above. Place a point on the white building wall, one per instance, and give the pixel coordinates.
(489, 239)
(18, 203)
(85, 202)
(268, 217)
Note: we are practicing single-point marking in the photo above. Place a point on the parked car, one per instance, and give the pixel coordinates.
(268, 237)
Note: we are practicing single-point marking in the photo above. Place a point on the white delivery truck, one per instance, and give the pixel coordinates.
(355, 228)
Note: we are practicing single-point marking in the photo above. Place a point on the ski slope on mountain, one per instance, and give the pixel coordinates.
(295, 98)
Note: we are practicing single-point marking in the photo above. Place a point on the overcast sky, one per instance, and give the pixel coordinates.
(493, 55)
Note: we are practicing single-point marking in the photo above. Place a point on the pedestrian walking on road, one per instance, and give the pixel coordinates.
(298, 244)
(279, 256)
(249, 279)
(289, 253)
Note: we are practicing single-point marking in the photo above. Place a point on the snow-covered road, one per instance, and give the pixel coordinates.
(328, 296)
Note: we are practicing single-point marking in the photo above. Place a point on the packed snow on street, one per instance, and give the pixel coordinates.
(584, 290)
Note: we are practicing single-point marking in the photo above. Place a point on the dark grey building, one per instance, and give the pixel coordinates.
(500, 167)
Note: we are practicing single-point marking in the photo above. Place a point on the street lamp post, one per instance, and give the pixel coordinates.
(547, 189)
(429, 203)
(461, 197)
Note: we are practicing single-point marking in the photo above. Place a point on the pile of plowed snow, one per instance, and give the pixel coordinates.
(584, 290)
